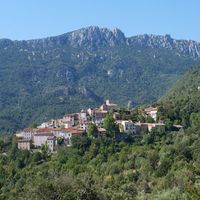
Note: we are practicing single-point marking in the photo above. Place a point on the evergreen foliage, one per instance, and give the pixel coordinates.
(181, 103)
(167, 167)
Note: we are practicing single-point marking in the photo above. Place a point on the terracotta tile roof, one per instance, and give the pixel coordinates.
(66, 129)
(74, 130)
(43, 134)
(56, 129)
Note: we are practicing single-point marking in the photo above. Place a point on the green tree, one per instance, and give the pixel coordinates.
(168, 124)
(81, 142)
(86, 189)
(153, 158)
(37, 157)
(92, 130)
(164, 167)
(195, 119)
(109, 125)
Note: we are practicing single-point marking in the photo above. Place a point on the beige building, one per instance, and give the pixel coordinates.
(126, 126)
(24, 144)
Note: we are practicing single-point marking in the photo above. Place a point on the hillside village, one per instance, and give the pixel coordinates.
(51, 132)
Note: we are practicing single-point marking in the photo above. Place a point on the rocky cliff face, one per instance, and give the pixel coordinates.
(185, 47)
(94, 37)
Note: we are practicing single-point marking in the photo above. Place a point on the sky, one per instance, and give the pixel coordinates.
(31, 19)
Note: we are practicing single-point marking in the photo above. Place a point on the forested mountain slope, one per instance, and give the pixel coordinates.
(45, 78)
(181, 103)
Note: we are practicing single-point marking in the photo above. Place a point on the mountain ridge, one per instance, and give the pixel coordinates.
(96, 36)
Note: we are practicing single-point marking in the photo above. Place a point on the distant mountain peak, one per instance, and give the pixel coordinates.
(94, 36)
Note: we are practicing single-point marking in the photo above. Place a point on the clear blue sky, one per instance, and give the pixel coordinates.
(28, 19)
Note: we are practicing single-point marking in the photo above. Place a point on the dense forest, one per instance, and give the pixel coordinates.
(159, 165)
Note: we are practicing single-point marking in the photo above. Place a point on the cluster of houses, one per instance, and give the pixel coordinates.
(49, 133)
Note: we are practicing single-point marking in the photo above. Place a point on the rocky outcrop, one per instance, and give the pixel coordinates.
(96, 37)
(186, 47)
